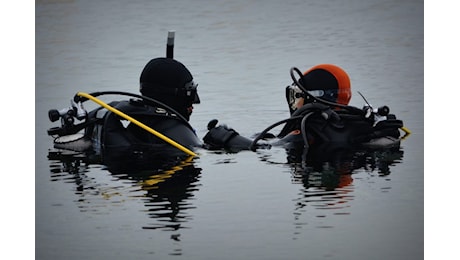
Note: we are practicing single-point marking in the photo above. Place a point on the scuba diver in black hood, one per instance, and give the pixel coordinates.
(321, 121)
(124, 128)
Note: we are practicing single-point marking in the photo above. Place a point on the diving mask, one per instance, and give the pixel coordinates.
(294, 97)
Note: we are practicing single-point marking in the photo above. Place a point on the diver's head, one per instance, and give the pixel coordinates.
(325, 81)
(170, 82)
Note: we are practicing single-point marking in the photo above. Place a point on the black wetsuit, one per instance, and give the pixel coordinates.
(116, 138)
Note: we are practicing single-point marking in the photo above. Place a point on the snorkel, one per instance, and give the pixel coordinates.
(170, 45)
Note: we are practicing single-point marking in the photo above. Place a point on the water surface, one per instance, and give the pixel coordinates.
(249, 205)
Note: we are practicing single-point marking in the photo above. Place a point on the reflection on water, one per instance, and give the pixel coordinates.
(168, 195)
(328, 184)
(166, 190)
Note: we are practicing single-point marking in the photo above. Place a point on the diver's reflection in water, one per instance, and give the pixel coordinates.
(71, 167)
(166, 185)
(329, 168)
(326, 176)
(169, 185)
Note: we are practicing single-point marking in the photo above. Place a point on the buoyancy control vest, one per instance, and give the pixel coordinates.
(111, 134)
(319, 124)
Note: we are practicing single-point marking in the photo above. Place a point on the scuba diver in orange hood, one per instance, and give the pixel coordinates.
(326, 81)
(321, 119)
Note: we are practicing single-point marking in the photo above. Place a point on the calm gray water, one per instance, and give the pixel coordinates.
(231, 206)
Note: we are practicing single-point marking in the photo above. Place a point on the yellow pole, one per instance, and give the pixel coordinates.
(148, 129)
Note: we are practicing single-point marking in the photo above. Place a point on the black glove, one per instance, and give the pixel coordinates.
(227, 138)
(218, 137)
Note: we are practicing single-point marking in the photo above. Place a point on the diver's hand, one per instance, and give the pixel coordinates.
(218, 136)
